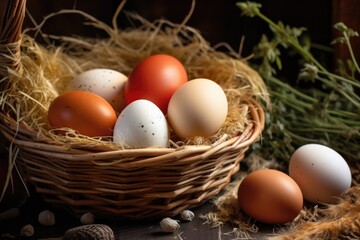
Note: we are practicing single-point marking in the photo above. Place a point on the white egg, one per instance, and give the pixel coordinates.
(141, 124)
(107, 83)
(321, 173)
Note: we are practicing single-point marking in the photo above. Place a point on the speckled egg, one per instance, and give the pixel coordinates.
(141, 124)
(107, 83)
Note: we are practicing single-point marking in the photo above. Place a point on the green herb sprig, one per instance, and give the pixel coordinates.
(327, 112)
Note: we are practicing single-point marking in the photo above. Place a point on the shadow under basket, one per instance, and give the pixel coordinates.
(128, 183)
(133, 183)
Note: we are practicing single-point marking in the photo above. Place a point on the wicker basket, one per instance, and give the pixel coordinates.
(132, 183)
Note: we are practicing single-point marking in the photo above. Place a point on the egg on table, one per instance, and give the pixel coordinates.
(322, 173)
(141, 124)
(107, 83)
(270, 196)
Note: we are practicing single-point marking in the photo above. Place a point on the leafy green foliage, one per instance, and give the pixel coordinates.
(327, 112)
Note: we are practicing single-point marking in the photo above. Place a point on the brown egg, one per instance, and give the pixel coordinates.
(85, 112)
(270, 196)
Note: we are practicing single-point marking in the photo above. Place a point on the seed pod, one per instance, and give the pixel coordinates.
(90, 232)
(46, 218)
(187, 215)
(27, 231)
(169, 225)
(87, 218)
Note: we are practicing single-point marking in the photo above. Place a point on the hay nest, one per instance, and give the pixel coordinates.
(44, 72)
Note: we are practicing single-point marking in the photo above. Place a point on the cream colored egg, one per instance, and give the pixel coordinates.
(198, 108)
(107, 83)
(322, 173)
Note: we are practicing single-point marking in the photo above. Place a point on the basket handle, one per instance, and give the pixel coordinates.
(12, 14)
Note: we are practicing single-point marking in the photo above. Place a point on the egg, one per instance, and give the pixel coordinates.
(155, 78)
(141, 124)
(197, 108)
(270, 196)
(107, 83)
(322, 173)
(84, 112)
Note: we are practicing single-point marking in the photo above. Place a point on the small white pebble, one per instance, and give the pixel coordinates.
(87, 218)
(187, 215)
(46, 218)
(169, 225)
(27, 231)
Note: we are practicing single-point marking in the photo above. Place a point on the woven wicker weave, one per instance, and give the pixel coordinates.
(133, 183)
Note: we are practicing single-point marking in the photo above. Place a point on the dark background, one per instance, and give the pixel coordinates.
(217, 20)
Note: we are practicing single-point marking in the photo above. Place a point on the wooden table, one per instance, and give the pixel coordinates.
(134, 230)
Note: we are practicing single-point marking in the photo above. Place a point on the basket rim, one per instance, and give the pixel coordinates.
(22, 135)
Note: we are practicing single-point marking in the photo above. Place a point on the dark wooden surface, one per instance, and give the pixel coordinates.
(145, 229)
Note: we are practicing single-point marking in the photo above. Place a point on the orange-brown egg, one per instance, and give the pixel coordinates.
(85, 112)
(270, 196)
